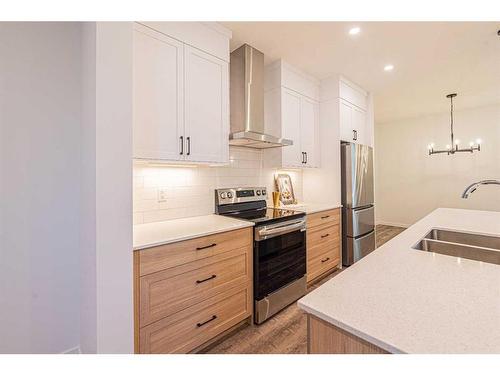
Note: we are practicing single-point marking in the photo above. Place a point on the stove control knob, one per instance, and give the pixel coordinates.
(223, 195)
(263, 192)
(257, 192)
(229, 194)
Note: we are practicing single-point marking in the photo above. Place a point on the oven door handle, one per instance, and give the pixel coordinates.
(265, 232)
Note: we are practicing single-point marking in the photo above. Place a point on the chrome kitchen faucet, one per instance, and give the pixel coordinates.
(472, 187)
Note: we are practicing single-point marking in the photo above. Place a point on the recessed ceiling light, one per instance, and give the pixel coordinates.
(388, 68)
(354, 30)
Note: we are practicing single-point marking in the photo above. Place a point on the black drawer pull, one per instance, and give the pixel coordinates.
(206, 247)
(207, 321)
(208, 278)
(325, 217)
(325, 235)
(325, 260)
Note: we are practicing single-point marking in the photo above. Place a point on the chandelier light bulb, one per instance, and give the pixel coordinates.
(457, 142)
(471, 144)
(448, 147)
(478, 141)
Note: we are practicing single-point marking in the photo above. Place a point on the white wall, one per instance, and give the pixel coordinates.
(410, 183)
(39, 186)
(190, 190)
(106, 253)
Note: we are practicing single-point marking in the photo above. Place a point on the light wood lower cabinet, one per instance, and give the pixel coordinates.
(190, 328)
(189, 292)
(325, 338)
(323, 243)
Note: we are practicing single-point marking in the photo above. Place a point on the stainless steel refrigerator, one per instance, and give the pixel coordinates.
(358, 219)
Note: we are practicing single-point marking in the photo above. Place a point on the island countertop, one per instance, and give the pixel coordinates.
(409, 301)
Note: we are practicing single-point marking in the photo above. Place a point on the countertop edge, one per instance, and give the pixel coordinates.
(318, 207)
(244, 224)
(372, 340)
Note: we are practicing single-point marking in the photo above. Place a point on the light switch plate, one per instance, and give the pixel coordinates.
(162, 195)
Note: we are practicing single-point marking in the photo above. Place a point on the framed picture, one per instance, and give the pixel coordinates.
(284, 186)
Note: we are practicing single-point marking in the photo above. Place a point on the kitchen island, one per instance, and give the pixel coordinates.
(402, 300)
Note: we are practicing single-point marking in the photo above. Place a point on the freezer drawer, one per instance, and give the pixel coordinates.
(358, 221)
(356, 248)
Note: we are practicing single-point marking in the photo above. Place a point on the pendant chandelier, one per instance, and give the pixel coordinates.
(454, 147)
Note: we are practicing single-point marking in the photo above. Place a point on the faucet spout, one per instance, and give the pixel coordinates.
(472, 187)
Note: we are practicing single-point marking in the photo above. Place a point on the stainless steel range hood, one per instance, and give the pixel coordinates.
(247, 101)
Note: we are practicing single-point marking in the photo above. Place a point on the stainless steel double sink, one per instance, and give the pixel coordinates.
(472, 246)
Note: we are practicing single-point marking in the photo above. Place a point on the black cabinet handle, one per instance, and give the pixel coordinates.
(206, 321)
(302, 157)
(182, 145)
(325, 217)
(354, 135)
(306, 157)
(206, 247)
(188, 139)
(325, 235)
(324, 260)
(208, 278)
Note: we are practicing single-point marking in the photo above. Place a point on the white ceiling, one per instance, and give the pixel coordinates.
(431, 59)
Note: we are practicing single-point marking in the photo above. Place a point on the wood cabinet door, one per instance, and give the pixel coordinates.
(359, 125)
(290, 122)
(158, 95)
(309, 128)
(206, 106)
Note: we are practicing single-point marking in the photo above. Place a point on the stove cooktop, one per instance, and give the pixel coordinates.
(266, 215)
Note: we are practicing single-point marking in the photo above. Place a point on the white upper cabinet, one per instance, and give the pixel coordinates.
(353, 123)
(359, 126)
(292, 112)
(158, 95)
(309, 131)
(206, 104)
(353, 117)
(181, 105)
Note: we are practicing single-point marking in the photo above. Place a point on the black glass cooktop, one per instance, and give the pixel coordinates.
(266, 214)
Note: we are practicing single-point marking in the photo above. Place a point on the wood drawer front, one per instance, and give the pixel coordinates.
(320, 250)
(329, 217)
(163, 257)
(167, 292)
(321, 264)
(180, 332)
(322, 235)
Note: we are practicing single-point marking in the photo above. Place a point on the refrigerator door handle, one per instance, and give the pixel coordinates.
(364, 208)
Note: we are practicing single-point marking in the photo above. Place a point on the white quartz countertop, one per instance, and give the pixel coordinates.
(311, 208)
(164, 232)
(410, 301)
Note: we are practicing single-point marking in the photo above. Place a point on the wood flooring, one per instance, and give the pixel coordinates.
(286, 332)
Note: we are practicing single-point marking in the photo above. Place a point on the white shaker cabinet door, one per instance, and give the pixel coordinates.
(290, 122)
(346, 129)
(158, 96)
(309, 128)
(206, 107)
(359, 125)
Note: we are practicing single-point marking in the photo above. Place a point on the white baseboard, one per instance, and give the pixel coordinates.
(400, 225)
(75, 350)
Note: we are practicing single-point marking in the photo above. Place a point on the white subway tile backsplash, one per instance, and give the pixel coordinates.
(190, 191)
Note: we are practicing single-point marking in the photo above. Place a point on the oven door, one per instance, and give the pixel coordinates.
(279, 255)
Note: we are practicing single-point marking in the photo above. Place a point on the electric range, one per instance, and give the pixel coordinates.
(279, 261)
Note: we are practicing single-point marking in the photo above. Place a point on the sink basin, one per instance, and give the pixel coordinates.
(478, 247)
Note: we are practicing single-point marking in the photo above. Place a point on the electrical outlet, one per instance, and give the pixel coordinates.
(162, 195)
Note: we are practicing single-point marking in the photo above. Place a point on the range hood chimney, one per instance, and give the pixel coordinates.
(247, 101)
